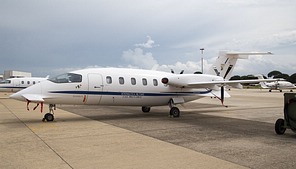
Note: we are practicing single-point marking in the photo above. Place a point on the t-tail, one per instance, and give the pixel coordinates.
(226, 61)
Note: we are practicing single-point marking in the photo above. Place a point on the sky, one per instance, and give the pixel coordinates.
(51, 37)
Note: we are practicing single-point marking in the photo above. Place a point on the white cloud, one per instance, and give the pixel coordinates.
(148, 44)
(138, 58)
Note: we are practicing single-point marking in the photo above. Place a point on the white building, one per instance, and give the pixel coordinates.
(13, 73)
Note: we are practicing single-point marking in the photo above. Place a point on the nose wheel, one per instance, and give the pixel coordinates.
(49, 116)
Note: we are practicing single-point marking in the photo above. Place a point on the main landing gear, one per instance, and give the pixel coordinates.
(50, 116)
(174, 111)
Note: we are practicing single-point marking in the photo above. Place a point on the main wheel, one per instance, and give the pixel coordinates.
(175, 112)
(146, 109)
(279, 127)
(49, 117)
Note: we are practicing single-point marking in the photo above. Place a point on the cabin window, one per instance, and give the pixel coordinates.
(121, 80)
(67, 78)
(155, 82)
(23, 82)
(28, 82)
(109, 79)
(144, 81)
(34, 82)
(133, 81)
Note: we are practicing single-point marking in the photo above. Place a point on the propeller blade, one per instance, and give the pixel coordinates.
(222, 94)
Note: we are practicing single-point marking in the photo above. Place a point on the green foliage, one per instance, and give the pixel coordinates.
(274, 73)
(236, 77)
(292, 78)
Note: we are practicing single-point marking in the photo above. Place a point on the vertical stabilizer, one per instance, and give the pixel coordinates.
(226, 61)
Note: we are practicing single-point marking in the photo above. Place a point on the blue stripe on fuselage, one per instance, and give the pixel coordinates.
(131, 93)
(9, 87)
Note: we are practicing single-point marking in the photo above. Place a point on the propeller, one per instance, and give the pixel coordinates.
(222, 96)
(172, 71)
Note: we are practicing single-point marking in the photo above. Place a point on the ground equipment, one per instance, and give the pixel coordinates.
(289, 120)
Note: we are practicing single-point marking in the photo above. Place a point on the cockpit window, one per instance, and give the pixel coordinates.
(5, 82)
(67, 78)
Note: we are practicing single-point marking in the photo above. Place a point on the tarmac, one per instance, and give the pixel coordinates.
(207, 135)
(78, 142)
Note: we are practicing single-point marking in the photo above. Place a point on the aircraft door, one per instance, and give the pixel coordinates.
(16, 83)
(95, 88)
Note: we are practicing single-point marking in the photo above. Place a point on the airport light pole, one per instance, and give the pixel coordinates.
(201, 50)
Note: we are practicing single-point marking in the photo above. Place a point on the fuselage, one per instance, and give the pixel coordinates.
(115, 86)
(280, 85)
(17, 84)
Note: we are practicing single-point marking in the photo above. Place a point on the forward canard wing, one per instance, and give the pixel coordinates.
(33, 98)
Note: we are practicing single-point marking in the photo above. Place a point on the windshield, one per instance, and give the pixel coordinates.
(5, 82)
(67, 78)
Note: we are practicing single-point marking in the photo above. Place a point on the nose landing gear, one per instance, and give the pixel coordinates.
(49, 116)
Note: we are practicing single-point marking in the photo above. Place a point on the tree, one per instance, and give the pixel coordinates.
(274, 73)
(283, 76)
(236, 77)
(292, 78)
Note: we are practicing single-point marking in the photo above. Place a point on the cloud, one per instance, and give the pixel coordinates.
(148, 44)
(138, 58)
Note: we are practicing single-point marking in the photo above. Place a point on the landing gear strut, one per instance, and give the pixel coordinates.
(50, 116)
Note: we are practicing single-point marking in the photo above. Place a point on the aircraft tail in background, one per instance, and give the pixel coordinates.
(263, 84)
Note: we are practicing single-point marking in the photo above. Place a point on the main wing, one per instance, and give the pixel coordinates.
(232, 83)
(207, 81)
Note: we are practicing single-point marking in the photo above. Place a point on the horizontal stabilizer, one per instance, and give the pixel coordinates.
(244, 55)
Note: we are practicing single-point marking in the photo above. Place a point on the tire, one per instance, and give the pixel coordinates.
(49, 117)
(175, 112)
(146, 109)
(279, 127)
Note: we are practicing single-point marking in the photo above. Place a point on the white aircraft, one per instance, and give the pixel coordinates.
(17, 84)
(276, 85)
(132, 87)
